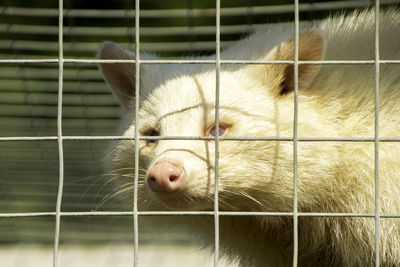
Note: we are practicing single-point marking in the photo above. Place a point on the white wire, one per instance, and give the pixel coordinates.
(198, 61)
(376, 147)
(191, 213)
(59, 135)
(136, 155)
(217, 137)
(295, 119)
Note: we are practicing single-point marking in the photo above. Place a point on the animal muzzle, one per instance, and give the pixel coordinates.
(166, 176)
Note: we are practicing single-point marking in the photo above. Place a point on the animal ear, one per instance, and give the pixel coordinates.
(311, 48)
(120, 76)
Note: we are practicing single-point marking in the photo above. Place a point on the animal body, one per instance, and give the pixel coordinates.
(334, 101)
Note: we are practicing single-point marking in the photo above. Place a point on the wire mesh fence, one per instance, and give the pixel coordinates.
(57, 116)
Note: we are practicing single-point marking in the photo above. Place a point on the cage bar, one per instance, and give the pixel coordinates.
(217, 137)
(59, 134)
(295, 120)
(136, 174)
(376, 135)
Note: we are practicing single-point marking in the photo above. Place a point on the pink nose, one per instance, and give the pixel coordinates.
(166, 177)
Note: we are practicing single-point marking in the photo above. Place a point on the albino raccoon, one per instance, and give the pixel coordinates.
(335, 101)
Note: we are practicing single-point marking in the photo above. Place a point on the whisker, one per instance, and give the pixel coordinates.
(122, 193)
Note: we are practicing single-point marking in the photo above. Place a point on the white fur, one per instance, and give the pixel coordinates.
(335, 101)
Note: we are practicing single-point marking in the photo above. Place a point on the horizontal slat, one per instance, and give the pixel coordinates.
(51, 99)
(30, 164)
(32, 224)
(26, 72)
(43, 156)
(29, 85)
(40, 165)
(23, 177)
(166, 13)
(28, 203)
(50, 146)
(16, 133)
(52, 47)
(81, 127)
(33, 191)
(124, 31)
(51, 111)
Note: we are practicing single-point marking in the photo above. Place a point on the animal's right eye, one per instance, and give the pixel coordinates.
(151, 132)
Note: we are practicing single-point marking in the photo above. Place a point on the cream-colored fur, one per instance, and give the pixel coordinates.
(335, 101)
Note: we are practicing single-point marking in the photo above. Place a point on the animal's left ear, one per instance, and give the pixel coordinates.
(281, 76)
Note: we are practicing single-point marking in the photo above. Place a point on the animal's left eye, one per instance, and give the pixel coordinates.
(223, 129)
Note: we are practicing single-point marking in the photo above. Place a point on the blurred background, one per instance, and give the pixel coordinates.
(28, 107)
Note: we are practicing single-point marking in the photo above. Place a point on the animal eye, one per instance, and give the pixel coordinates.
(222, 129)
(151, 132)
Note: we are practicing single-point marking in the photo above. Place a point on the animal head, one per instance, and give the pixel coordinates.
(254, 101)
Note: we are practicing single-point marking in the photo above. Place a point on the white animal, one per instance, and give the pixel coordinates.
(335, 101)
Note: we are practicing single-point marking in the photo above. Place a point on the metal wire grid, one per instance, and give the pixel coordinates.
(216, 213)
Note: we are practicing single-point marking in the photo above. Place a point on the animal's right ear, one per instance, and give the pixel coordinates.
(120, 76)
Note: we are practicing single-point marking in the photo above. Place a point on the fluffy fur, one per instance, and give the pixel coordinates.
(335, 101)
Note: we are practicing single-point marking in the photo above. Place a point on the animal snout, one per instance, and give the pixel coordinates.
(166, 177)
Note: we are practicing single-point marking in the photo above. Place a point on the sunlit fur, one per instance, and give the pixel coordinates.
(335, 101)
